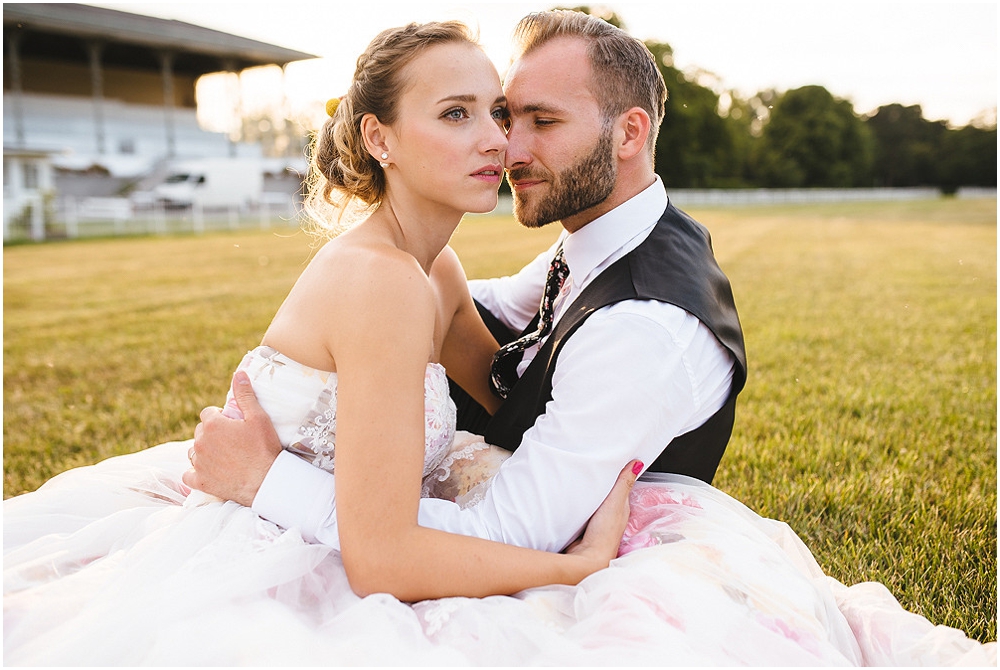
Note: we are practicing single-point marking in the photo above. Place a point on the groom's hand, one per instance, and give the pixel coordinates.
(231, 456)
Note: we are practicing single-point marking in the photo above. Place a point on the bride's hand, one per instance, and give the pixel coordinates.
(604, 531)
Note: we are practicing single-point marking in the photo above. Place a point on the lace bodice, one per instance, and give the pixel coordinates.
(302, 404)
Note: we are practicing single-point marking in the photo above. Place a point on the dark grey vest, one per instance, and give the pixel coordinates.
(675, 264)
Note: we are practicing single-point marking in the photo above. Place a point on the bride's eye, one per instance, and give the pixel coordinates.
(456, 114)
(502, 116)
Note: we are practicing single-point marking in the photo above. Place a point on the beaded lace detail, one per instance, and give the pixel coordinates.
(280, 381)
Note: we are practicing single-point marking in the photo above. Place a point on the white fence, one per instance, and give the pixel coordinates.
(71, 217)
(778, 196)
(976, 192)
(90, 217)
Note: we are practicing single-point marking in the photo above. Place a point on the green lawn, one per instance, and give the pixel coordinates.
(868, 423)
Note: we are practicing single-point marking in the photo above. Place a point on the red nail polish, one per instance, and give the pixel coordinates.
(637, 468)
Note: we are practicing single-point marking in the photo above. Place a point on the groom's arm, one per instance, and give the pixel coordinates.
(664, 375)
(632, 378)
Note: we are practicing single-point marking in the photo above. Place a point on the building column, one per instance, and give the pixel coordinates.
(13, 192)
(237, 101)
(94, 49)
(286, 114)
(167, 66)
(17, 106)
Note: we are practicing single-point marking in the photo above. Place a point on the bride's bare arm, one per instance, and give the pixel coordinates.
(468, 345)
(381, 351)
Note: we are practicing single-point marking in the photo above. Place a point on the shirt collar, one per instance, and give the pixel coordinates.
(587, 248)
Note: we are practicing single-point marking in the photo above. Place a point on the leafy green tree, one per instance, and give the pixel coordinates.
(745, 119)
(907, 146)
(813, 139)
(912, 151)
(696, 147)
(968, 158)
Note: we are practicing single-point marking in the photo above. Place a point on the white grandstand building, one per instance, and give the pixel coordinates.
(96, 100)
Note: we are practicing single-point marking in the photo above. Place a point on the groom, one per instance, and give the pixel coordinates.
(645, 355)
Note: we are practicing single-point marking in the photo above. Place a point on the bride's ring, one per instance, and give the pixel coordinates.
(191, 455)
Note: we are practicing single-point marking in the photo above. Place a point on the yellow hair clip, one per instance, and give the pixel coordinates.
(331, 106)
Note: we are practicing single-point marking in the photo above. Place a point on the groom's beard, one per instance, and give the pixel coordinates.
(581, 186)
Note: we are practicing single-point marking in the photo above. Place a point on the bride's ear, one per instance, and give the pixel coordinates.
(374, 134)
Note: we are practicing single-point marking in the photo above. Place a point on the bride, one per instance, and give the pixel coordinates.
(122, 564)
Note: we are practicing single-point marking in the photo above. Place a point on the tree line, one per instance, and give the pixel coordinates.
(806, 137)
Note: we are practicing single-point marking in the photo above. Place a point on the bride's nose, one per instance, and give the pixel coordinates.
(494, 139)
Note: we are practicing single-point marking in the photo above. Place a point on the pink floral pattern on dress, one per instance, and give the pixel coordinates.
(653, 509)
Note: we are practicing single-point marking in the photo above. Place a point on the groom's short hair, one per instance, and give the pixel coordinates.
(625, 74)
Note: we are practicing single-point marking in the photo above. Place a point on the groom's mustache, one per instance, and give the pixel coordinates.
(526, 174)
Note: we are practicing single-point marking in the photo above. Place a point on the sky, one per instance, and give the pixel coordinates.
(940, 55)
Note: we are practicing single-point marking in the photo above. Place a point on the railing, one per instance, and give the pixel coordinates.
(68, 217)
(779, 196)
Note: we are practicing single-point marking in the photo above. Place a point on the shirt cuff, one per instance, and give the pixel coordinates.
(296, 494)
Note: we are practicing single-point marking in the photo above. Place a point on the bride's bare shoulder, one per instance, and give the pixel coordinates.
(447, 270)
(351, 259)
(365, 269)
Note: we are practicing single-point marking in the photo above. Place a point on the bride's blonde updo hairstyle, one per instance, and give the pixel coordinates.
(343, 174)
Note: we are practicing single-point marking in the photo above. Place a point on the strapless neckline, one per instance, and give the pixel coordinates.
(270, 353)
(302, 404)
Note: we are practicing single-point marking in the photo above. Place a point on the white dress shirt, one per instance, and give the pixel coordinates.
(635, 375)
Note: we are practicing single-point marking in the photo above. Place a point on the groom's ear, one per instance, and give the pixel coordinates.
(374, 135)
(633, 127)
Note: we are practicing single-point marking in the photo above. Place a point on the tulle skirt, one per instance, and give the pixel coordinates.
(112, 565)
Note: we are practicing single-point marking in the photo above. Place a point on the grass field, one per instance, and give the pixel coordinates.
(868, 423)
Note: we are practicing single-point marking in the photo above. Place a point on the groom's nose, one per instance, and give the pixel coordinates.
(518, 153)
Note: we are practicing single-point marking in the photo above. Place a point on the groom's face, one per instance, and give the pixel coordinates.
(560, 156)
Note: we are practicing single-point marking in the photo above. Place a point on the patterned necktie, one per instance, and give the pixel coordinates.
(504, 367)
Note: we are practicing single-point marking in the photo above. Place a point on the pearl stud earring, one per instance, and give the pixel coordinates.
(385, 157)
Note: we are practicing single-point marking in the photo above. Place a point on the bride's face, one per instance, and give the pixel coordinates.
(447, 144)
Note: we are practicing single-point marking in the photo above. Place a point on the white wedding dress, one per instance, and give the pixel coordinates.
(112, 565)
